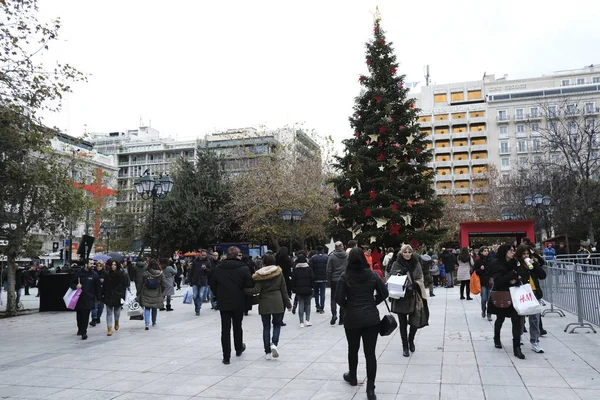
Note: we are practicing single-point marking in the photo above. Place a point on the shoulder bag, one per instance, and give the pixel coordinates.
(388, 323)
(500, 299)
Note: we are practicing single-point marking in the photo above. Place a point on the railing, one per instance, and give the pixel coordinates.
(574, 288)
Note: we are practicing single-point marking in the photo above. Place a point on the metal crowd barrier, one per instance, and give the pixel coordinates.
(574, 288)
(583, 258)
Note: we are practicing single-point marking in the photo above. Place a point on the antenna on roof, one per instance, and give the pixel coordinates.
(427, 76)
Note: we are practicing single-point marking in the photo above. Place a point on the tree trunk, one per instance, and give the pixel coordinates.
(11, 294)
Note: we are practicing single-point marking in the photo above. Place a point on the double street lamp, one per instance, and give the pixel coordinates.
(108, 230)
(292, 216)
(153, 188)
(539, 202)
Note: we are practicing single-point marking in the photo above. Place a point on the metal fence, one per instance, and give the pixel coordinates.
(574, 288)
(592, 259)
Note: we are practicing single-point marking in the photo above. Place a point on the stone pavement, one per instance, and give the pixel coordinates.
(42, 358)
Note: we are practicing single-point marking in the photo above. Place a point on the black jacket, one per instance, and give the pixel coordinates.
(449, 261)
(228, 282)
(303, 279)
(90, 289)
(199, 276)
(359, 292)
(318, 263)
(115, 285)
(486, 274)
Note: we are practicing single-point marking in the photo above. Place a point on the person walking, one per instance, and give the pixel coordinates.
(359, 291)
(140, 270)
(227, 283)
(426, 265)
(318, 263)
(387, 262)
(465, 265)
(336, 266)
(269, 284)
(483, 270)
(169, 273)
(115, 286)
(450, 264)
(99, 306)
(87, 280)
(303, 282)
(198, 277)
(152, 295)
(407, 263)
(179, 274)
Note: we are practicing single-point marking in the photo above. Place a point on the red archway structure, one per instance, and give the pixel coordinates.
(517, 229)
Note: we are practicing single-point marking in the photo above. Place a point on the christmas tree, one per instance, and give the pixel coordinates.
(385, 190)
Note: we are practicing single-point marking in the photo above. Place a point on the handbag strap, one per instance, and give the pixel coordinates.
(388, 307)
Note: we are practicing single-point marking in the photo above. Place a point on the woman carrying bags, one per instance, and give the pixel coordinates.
(359, 290)
(115, 287)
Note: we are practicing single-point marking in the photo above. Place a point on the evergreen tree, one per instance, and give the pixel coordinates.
(385, 189)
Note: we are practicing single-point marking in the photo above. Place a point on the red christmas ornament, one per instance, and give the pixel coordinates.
(391, 176)
(381, 157)
(362, 78)
(394, 206)
(406, 160)
(380, 143)
(347, 193)
(412, 105)
(419, 151)
(382, 129)
(356, 134)
(336, 208)
(401, 127)
(367, 212)
(394, 70)
(369, 62)
(376, 29)
(372, 194)
(394, 229)
(397, 145)
(414, 243)
(382, 42)
(355, 202)
(378, 99)
(410, 203)
(400, 86)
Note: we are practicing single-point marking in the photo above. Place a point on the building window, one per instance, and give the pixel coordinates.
(590, 107)
(536, 145)
(520, 128)
(552, 111)
(504, 147)
(581, 81)
(439, 98)
(571, 109)
(572, 127)
(502, 115)
(565, 82)
(522, 146)
(590, 124)
(505, 163)
(457, 96)
(523, 161)
(519, 114)
(533, 112)
(474, 94)
(596, 79)
(503, 131)
(535, 127)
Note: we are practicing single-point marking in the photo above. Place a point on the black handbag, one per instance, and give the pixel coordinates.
(388, 323)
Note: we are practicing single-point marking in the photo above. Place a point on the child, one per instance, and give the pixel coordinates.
(442, 274)
(377, 269)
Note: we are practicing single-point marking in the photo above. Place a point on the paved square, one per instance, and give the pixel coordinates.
(42, 358)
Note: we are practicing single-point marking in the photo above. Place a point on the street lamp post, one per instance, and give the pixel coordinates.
(108, 230)
(292, 216)
(538, 202)
(151, 188)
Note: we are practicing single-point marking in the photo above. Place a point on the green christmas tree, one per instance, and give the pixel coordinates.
(385, 189)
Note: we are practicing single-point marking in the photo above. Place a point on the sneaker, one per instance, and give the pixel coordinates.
(536, 347)
(489, 317)
(197, 314)
(333, 320)
(268, 356)
(301, 325)
(147, 328)
(274, 351)
(483, 314)
(308, 323)
(543, 332)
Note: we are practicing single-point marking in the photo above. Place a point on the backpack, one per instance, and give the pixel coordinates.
(152, 283)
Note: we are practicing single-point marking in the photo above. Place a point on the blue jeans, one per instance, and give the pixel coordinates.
(266, 320)
(147, 315)
(97, 310)
(319, 294)
(485, 295)
(200, 293)
(450, 279)
(211, 297)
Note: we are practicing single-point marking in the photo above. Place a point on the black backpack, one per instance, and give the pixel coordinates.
(152, 283)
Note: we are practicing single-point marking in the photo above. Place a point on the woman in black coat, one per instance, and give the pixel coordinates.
(359, 290)
(116, 284)
(484, 271)
(506, 274)
(303, 282)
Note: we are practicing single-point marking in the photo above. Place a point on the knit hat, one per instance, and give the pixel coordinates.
(301, 259)
(339, 246)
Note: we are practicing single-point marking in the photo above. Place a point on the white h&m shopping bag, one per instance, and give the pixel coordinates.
(524, 300)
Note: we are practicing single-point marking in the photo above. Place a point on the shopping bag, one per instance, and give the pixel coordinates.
(524, 300)
(475, 284)
(397, 285)
(187, 297)
(128, 297)
(71, 298)
(134, 309)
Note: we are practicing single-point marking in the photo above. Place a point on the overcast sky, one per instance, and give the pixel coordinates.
(194, 67)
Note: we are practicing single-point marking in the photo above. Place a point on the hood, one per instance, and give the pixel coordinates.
(426, 257)
(155, 273)
(340, 254)
(266, 273)
(301, 265)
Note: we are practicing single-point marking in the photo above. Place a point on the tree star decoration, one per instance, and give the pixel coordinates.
(381, 168)
(395, 229)
(407, 219)
(373, 138)
(352, 190)
(373, 239)
(381, 222)
(358, 185)
(405, 152)
(413, 162)
(410, 139)
(330, 246)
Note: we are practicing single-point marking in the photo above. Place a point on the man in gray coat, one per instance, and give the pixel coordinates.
(336, 265)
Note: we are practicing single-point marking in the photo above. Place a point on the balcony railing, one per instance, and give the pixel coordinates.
(519, 117)
(503, 119)
(534, 116)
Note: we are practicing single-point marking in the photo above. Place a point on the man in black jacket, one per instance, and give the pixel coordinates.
(199, 275)
(318, 263)
(87, 280)
(450, 264)
(227, 284)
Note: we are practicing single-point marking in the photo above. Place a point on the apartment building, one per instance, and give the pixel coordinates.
(455, 118)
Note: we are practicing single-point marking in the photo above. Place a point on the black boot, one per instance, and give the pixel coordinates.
(371, 390)
(518, 353)
(497, 343)
(411, 341)
(405, 351)
(351, 378)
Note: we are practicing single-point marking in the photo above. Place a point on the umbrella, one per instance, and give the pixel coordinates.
(101, 257)
(116, 256)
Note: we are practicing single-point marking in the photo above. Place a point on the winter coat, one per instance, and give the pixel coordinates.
(359, 293)
(485, 275)
(90, 289)
(318, 263)
(406, 304)
(227, 283)
(169, 272)
(449, 261)
(303, 279)
(464, 270)
(426, 264)
(140, 270)
(269, 284)
(336, 265)
(153, 298)
(199, 276)
(115, 286)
